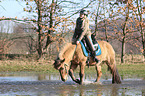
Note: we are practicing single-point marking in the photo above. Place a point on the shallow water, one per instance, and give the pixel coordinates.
(32, 84)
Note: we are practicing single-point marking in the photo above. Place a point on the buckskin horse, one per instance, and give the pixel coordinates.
(71, 56)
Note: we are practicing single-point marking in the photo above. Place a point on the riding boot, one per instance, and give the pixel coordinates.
(87, 62)
(94, 57)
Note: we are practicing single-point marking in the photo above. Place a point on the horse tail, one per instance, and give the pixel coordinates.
(114, 71)
(115, 76)
(111, 63)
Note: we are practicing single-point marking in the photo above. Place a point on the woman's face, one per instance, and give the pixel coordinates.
(81, 15)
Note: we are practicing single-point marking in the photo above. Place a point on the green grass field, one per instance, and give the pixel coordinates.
(133, 66)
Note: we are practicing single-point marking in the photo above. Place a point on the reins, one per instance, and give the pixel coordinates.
(65, 67)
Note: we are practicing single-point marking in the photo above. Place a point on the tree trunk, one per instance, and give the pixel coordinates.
(144, 50)
(124, 36)
(123, 51)
(141, 26)
(49, 40)
(39, 49)
(96, 19)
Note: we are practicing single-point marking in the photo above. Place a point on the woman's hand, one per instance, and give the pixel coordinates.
(77, 42)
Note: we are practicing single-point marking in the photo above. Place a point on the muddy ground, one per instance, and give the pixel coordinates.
(69, 88)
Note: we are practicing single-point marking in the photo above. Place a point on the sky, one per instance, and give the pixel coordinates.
(12, 8)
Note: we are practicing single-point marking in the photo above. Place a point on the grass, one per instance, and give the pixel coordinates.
(137, 70)
(20, 65)
(132, 67)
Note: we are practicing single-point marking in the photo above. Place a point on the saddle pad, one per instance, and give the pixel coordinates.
(86, 53)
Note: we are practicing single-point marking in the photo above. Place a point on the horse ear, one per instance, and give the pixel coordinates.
(62, 60)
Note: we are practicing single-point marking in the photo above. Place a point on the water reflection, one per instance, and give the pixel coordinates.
(34, 84)
(27, 77)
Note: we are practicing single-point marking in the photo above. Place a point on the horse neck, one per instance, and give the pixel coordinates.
(69, 53)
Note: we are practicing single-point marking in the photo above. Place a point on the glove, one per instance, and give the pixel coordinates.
(77, 42)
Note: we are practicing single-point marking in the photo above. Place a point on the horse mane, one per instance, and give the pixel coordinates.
(66, 51)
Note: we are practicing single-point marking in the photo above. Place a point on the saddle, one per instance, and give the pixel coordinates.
(86, 50)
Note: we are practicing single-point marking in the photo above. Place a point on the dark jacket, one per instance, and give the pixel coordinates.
(82, 28)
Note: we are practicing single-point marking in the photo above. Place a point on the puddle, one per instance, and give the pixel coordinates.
(25, 76)
(34, 84)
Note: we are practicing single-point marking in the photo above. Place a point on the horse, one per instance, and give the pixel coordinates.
(71, 56)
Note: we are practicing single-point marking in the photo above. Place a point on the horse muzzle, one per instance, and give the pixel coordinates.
(63, 79)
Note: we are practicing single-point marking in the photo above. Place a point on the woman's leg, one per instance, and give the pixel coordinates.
(91, 47)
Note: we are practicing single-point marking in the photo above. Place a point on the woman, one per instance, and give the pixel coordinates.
(82, 30)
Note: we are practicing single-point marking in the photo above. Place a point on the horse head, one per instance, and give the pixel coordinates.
(62, 67)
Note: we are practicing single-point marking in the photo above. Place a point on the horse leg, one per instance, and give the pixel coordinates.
(99, 72)
(71, 71)
(82, 68)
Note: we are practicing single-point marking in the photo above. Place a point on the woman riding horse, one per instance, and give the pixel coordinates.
(73, 54)
(70, 57)
(82, 31)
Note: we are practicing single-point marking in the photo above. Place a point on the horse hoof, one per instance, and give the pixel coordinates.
(77, 81)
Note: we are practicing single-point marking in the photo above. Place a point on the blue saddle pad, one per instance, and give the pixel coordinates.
(86, 53)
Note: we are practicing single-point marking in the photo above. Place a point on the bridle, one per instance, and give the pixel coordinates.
(65, 65)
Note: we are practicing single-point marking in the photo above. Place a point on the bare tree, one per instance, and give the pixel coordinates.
(5, 42)
(124, 33)
(122, 26)
(96, 17)
(25, 35)
(50, 16)
(141, 23)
